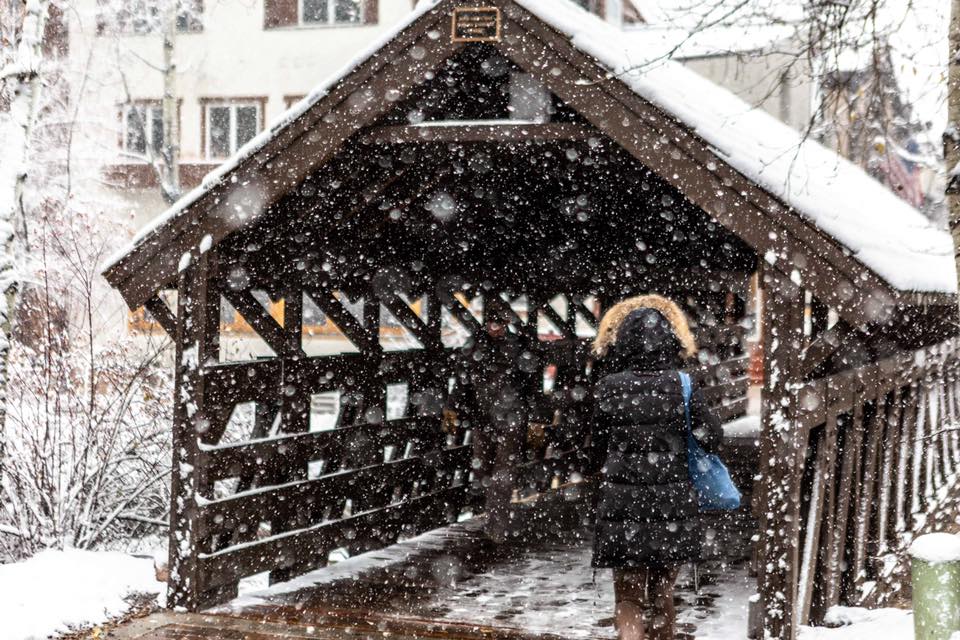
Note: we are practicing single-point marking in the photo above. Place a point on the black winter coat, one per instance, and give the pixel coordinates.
(647, 513)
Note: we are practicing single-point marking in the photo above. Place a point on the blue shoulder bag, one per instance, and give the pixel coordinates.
(710, 478)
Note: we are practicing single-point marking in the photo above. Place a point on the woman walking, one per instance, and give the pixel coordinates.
(648, 520)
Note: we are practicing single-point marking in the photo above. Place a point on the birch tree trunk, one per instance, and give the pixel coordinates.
(170, 178)
(951, 136)
(22, 81)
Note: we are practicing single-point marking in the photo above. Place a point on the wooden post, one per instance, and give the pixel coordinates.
(826, 519)
(781, 455)
(868, 493)
(294, 409)
(889, 478)
(509, 442)
(904, 486)
(196, 345)
(508, 433)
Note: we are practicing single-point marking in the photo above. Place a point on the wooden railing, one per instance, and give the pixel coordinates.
(881, 440)
(283, 503)
(258, 509)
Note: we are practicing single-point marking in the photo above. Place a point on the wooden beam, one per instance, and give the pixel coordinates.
(782, 445)
(551, 314)
(410, 320)
(496, 131)
(366, 339)
(160, 312)
(865, 508)
(259, 319)
(818, 511)
(825, 345)
(888, 470)
(195, 344)
(459, 311)
(587, 314)
(846, 490)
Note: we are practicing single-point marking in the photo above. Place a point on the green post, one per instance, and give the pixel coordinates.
(936, 586)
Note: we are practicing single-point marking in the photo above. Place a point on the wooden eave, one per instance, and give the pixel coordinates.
(655, 138)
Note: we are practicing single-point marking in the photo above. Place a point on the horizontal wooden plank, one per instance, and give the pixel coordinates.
(229, 461)
(736, 388)
(311, 546)
(493, 131)
(728, 368)
(311, 497)
(725, 334)
(730, 410)
(233, 383)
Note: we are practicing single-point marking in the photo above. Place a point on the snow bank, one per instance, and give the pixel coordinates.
(936, 548)
(55, 591)
(862, 624)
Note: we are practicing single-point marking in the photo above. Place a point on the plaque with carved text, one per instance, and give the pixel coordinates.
(476, 24)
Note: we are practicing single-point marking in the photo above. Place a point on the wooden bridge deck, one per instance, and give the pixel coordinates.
(454, 583)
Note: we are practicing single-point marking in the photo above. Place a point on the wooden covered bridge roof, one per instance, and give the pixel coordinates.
(818, 219)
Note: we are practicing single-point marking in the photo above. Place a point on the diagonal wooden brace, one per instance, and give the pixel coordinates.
(162, 314)
(262, 322)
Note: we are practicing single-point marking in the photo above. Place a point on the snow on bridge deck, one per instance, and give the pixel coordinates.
(454, 583)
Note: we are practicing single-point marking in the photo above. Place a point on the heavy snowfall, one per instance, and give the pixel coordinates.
(519, 318)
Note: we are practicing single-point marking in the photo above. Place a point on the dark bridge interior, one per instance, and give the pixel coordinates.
(425, 228)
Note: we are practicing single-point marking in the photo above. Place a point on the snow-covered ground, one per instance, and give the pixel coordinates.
(863, 624)
(56, 591)
(554, 588)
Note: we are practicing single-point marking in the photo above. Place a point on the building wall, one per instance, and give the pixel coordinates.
(232, 57)
(777, 83)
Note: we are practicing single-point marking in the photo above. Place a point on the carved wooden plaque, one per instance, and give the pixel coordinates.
(475, 24)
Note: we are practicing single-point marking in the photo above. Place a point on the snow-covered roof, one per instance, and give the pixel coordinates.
(887, 234)
(256, 143)
(882, 231)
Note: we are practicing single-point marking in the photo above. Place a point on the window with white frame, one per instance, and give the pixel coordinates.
(229, 126)
(330, 12)
(142, 126)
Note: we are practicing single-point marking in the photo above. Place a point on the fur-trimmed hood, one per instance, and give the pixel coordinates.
(614, 318)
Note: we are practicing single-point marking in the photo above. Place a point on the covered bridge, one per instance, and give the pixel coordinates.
(518, 158)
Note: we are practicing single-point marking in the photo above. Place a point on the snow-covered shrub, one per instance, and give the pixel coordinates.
(86, 459)
(84, 442)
